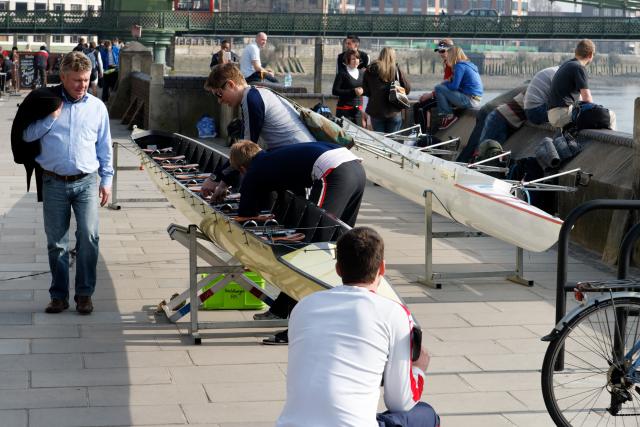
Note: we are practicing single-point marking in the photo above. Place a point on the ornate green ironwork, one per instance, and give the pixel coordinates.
(301, 24)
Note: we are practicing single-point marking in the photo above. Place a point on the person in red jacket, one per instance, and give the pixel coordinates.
(422, 108)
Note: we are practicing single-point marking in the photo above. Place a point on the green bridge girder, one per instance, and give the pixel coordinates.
(302, 24)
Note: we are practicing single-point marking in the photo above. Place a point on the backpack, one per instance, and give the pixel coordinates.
(588, 115)
(324, 129)
(91, 54)
(322, 109)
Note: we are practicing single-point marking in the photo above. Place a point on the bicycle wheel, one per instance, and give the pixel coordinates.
(594, 387)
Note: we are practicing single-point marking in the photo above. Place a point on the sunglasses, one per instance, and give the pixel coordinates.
(442, 50)
(218, 92)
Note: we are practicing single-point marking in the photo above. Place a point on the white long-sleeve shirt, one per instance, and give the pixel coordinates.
(342, 342)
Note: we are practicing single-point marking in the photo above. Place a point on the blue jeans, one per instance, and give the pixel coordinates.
(447, 99)
(474, 139)
(496, 127)
(537, 115)
(59, 197)
(387, 124)
(421, 415)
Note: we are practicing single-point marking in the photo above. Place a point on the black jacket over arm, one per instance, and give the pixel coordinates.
(36, 106)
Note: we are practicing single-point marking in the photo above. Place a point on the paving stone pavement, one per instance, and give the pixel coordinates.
(124, 365)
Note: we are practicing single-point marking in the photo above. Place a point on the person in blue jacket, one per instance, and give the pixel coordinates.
(464, 90)
(111, 63)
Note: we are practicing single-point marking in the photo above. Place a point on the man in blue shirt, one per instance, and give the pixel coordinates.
(110, 56)
(76, 149)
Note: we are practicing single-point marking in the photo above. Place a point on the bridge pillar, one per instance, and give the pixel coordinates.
(317, 65)
(160, 54)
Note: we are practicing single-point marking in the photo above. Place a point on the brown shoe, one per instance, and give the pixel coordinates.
(83, 304)
(56, 306)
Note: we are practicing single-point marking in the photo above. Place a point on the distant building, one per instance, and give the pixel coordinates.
(53, 41)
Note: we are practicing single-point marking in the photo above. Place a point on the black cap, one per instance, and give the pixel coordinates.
(442, 45)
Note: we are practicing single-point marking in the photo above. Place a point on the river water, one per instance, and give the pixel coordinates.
(620, 99)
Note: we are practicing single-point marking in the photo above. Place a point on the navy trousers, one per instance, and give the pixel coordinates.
(421, 415)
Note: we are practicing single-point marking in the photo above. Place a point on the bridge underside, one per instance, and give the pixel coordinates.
(428, 26)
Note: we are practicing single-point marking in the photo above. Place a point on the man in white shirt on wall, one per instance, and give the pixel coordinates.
(344, 341)
(250, 63)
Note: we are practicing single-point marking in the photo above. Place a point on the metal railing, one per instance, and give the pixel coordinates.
(305, 24)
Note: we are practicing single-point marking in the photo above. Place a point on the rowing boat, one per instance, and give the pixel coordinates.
(300, 264)
(462, 194)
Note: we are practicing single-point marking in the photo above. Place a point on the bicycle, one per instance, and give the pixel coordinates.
(591, 370)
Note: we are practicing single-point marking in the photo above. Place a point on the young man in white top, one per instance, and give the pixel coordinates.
(347, 340)
(250, 63)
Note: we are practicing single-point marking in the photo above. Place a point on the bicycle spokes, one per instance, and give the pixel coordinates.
(598, 384)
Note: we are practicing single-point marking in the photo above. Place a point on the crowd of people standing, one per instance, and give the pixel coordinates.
(103, 56)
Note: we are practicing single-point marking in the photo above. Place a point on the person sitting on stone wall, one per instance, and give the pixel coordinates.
(570, 85)
(250, 63)
(536, 100)
(463, 91)
(422, 108)
(499, 125)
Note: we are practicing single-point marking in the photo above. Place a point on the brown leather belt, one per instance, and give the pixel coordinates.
(66, 178)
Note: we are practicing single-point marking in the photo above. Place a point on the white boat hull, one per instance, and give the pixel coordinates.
(298, 273)
(464, 195)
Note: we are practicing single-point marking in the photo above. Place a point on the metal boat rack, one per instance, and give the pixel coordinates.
(219, 262)
(434, 279)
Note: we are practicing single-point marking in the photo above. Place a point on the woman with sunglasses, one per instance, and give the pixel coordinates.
(422, 108)
(463, 91)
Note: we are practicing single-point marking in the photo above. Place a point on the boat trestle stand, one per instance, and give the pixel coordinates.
(114, 203)
(434, 280)
(219, 262)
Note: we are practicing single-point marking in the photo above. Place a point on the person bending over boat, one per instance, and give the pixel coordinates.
(536, 100)
(334, 174)
(463, 91)
(345, 341)
(347, 86)
(268, 120)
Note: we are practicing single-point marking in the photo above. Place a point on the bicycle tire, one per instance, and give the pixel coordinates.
(589, 368)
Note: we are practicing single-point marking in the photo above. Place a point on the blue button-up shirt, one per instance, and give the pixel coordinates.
(78, 141)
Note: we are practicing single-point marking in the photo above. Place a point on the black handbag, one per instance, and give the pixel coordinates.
(397, 95)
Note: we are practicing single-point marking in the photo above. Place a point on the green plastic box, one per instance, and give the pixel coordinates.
(233, 296)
